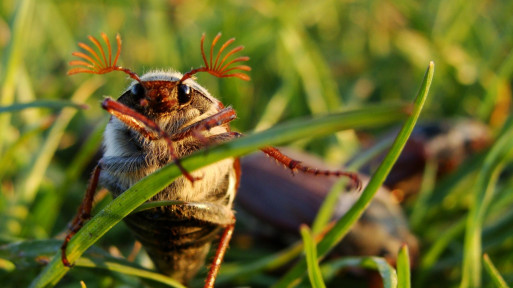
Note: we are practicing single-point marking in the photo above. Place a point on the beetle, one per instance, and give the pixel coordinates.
(162, 117)
(381, 230)
(446, 143)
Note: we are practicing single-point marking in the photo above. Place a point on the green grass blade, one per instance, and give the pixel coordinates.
(6, 265)
(447, 186)
(31, 179)
(421, 207)
(22, 255)
(403, 268)
(153, 204)
(127, 269)
(434, 252)
(150, 185)
(387, 272)
(230, 271)
(84, 155)
(28, 136)
(49, 104)
(314, 273)
(497, 157)
(12, 57)
(364, 157)
(341, 228)
(493, 272)
(503, 75)
(278, 103)
(306, 68)
(325, 213)
(23, 252)
(320, 97)
(73, 172)
(329, 241)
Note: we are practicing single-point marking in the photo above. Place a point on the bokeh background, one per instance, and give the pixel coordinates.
(308, 58)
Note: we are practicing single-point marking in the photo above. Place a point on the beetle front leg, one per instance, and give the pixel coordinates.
(224, 116)
(145, 127)
(83, 214)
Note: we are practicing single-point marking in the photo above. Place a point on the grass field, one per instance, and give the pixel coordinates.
(308, 58)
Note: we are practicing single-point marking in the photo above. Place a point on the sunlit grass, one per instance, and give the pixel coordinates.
(308, 59)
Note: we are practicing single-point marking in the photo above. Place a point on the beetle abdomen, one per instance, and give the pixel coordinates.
(178, 237)
(177, 245)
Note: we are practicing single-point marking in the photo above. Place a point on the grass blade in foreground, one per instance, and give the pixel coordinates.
(403, 268)
(493, 273)
(31, 178)
(325, 213)
(496, 158)
(327, 209)
(10, 152)
(116, 266)
(314, 273)
(341, 228)
(152, 184)
(50, 104)
(387, 272)
(22, 255)
(12, 59)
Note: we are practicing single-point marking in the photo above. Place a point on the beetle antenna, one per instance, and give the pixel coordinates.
(221, 68)
(94, 64)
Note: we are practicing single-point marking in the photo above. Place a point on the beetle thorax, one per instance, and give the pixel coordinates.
(147, 155)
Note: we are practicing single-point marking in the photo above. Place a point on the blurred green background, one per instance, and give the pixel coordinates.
(308, 58)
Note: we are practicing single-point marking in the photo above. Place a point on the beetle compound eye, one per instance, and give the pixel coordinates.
(184, 94)
(138, 91)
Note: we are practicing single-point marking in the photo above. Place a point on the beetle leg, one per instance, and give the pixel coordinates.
(218, 259)
(223, 137)
(295, 165)
(83, 214)
(222, 117)
(145, 127)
